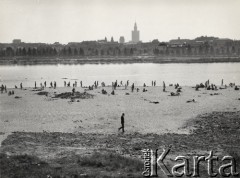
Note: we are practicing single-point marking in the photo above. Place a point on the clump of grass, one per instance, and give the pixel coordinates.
(111, 162)
(23, 166)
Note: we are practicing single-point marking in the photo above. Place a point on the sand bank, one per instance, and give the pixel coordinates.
(101, 114)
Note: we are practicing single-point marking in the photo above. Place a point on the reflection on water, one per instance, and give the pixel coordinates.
(184, 74)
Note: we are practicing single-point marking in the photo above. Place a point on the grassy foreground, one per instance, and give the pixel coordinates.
(116, 155)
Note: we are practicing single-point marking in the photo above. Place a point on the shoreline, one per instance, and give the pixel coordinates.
(116, 60)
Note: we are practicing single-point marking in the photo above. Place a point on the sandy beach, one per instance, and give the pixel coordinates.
(101, 114)
(55, 129)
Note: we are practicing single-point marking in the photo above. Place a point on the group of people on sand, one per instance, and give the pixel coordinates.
(4, 88)
(154, 83)
(212, 86)
(176, 86)
(74, 84)
(115, 84)
(44, 85)
(41, 85)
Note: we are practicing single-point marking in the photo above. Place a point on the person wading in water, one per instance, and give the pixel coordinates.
(122, 122)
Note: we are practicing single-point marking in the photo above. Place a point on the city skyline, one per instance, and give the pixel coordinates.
(76, 21)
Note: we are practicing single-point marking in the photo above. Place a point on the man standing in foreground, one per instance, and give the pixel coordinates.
(122, 122)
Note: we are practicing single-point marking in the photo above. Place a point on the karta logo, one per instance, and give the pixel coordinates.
(152, 162)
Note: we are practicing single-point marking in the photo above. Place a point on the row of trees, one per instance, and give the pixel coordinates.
(49, 51)
(66, 51)
(201, 50)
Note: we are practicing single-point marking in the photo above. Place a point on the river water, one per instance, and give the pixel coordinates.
(184, 74)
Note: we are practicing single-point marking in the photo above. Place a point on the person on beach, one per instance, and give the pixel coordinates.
(45, 84)
(132, 87)
(21, 86)
(113, 93)
(81, 84)
(2, 88)
(164, 87)
(73, 91)
(222, 83)
(104, 92)
(154, 83)
(122, 123)
(51, 84)
(35, 84)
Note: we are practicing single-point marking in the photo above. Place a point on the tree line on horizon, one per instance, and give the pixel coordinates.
(118, 50)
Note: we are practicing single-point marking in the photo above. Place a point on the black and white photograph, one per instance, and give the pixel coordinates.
(119, 88)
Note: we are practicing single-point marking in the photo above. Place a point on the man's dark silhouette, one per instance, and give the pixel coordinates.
(122, 122)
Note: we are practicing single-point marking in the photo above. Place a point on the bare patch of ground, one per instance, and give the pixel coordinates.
(75, 95)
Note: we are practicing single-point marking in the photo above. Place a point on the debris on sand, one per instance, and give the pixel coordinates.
(154, 102)
(17, 97)
(174, 94)
(43, 93)
(214, 94)
(40, 89)
(75, 95)
(190, 101)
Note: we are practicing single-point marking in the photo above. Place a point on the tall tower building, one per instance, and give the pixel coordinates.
(135, 34)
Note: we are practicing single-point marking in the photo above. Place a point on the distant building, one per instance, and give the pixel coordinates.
(112, 40)
(221, 42)
(121, 39)
(103, 41)
(135, 34)
(179, 42)
(56, 43)
(16, 41)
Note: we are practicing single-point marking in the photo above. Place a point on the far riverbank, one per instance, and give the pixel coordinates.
(113, 60)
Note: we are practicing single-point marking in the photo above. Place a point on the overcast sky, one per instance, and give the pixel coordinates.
(77, 20)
